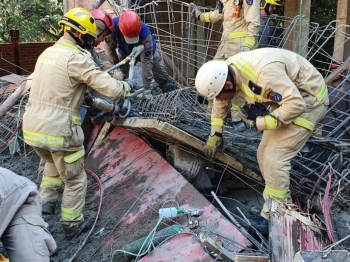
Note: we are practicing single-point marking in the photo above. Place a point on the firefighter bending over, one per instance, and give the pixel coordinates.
(287, 82)
(240, 21)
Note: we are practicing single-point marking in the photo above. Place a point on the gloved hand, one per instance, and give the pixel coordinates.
(131, 84)
(88, 100)
(244, 48)
(214, 142)
(249, 113)
(197, 12)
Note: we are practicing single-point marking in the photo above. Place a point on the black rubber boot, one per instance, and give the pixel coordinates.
(167, 86)
(71, 232)
(48, 208)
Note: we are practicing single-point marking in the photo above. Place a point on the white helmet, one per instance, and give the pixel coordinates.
(211, 78)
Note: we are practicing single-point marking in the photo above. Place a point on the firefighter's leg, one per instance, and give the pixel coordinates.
(50, 182)
(237, 122)
(27, 238)
(160, 74)
(283, 144)
(74, 178)
(41, 168)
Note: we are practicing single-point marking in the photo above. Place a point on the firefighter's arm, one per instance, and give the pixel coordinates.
(82, 69)
(146, 59)
(273, 78)
(218, 114)
(209, 17)
(252, 17)
(110, 49)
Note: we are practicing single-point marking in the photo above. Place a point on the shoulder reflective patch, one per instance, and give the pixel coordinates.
(249, 2)
(272, 95)
(147, 45)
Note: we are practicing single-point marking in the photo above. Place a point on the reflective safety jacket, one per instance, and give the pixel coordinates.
(60, 79)
(286, 81)
(245, 27)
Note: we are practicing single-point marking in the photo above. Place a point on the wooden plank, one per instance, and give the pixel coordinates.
(290, 232)
(251, 258)
(168, 130)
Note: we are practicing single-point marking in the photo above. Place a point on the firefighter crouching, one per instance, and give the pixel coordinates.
(287, 82)
(23, 232)
(51, 123)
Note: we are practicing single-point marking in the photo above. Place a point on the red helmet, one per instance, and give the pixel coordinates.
(104, 17)
(334, 65)
(130, 26)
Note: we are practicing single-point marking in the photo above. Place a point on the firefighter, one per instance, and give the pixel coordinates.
(267, 27)
(287, 82)
(104, 24)
(240, 34)
(23, 232)
(51, 122)
(128, 32)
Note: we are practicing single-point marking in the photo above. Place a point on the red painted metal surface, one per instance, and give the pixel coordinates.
(137, 182)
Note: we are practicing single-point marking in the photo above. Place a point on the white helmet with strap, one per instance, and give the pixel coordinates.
(211, 78)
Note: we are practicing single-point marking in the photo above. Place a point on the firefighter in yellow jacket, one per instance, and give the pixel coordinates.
(241, 23)
(287, 82)
(51, 123)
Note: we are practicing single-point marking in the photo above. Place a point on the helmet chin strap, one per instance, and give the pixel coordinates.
(267, 9)
(88, 41)
(76, 39)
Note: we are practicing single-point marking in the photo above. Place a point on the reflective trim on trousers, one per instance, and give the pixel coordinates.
(217, 121)
(43, 139)
(74, 157)
(281, 194)
(76, 120)
(303, 122)
(51, 181)
(71, 214)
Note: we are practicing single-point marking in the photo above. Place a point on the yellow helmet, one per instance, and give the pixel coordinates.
(263, 3)
(79, 19)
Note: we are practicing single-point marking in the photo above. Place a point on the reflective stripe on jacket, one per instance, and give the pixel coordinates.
(245, 26)
(299, 84)
(60, 78)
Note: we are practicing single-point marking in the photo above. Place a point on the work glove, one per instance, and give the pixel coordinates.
(244, 48)
(131, 84)
(197, 12)
(214, 142)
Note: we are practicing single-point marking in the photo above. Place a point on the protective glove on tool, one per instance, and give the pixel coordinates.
(214, 142)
